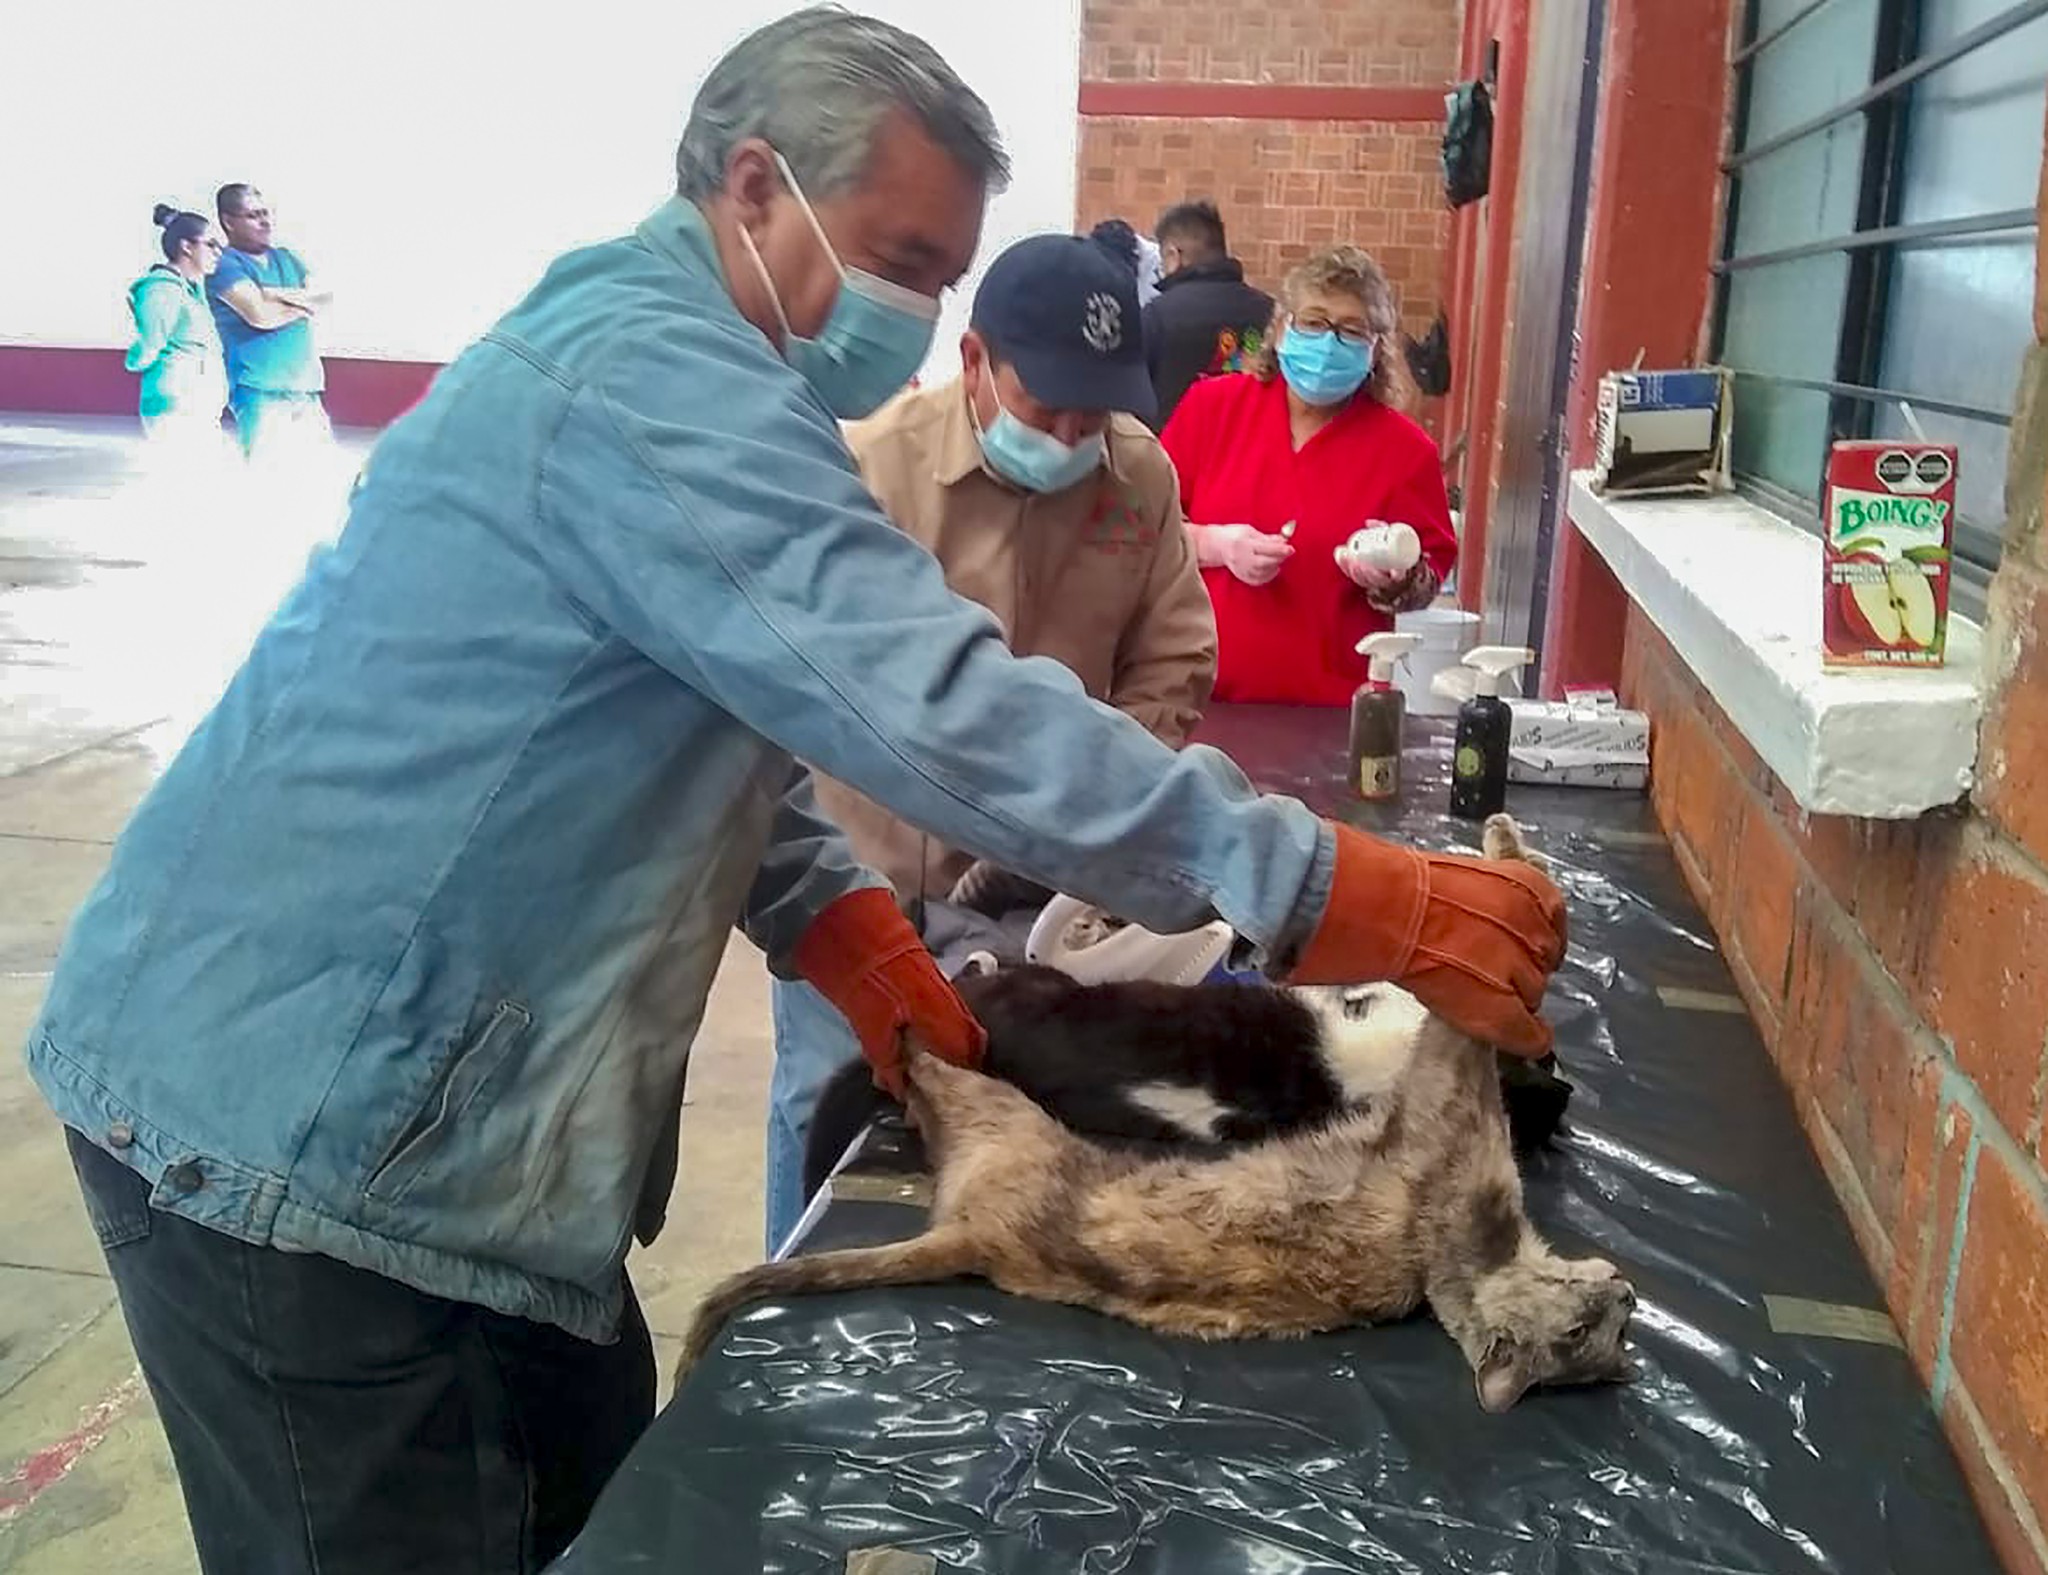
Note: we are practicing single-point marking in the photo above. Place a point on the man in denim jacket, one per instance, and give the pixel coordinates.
(371, 1041)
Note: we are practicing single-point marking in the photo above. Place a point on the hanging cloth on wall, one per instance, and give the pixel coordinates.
(1468, 142)
(1429, 358)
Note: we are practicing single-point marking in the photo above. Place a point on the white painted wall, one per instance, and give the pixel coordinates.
(427, 157)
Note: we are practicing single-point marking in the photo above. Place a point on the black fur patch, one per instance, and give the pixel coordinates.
(847, 1103)
(1077, 1049)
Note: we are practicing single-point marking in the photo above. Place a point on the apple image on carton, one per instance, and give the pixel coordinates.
(1894, 609)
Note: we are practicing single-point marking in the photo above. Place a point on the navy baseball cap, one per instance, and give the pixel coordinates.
(1064, 312)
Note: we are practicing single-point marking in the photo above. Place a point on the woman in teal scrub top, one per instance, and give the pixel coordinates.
(176, 348)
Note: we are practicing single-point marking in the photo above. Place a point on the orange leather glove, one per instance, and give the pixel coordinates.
(862, 955)
(1474, 940)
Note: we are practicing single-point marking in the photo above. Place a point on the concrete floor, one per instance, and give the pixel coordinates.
(126, 597)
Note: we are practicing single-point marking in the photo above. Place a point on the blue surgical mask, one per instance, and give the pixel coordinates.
(1323, 367)
(1034, 460)
(874, 339)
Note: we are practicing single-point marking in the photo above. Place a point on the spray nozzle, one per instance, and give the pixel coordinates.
(1384, 650)
(1490, 662)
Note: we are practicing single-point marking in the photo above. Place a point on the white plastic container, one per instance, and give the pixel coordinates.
(1070, 935)
(1447, 633)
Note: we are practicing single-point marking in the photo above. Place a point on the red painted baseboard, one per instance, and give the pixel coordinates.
(62, 381)
(1261, 101)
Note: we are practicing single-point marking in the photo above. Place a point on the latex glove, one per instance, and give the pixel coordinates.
(1391, 570)
(1474, 940)
(862, 955)
(1253, 555)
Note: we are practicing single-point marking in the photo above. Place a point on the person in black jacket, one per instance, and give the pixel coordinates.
(1206, 319)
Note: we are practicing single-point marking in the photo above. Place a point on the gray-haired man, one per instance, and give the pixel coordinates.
(371, 1041)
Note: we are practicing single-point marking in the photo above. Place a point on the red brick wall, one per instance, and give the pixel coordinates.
(1331, 42)
(1899, 973)
(1286, 186)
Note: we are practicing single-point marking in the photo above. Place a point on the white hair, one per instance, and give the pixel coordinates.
(817, 86)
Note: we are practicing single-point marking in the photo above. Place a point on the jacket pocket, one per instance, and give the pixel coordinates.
(447, 1102)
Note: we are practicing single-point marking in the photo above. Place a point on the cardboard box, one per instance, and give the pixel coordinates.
(1578, 743)
(1664, 434)
(1888, 532)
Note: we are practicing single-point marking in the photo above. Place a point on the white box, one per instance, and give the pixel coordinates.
(1579, 743)
(1663, 433)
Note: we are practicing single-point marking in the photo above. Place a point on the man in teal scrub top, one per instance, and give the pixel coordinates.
(264, 303)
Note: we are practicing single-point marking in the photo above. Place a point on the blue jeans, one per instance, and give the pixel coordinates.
(328, 1421)
(262, 420)
(812, 1041)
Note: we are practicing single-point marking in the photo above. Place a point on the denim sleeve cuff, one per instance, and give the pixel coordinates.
(1278, 959)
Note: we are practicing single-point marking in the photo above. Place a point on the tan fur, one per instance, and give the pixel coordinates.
(1414, 1199)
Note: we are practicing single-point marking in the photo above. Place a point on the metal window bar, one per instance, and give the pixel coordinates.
(1757, 46)
(1976, 548)
(1894, 82)
(1871, 396)
(1854, 394)
(1930, 233)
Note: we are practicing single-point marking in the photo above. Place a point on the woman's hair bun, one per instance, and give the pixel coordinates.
(162, 214)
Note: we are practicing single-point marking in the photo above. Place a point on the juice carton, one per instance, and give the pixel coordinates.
(1891, 510)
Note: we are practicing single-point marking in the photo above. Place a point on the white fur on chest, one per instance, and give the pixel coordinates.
(1369, 1034)
(1367, 1038)
(1181, 1105)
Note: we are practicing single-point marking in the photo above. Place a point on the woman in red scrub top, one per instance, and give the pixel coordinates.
(1315, 438)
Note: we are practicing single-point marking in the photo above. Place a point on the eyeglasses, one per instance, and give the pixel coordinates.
(1350, 333)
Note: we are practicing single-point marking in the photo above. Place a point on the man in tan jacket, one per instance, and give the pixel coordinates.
(1035, 481)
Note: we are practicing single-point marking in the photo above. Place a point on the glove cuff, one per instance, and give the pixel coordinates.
(850, 939)
(1373, 919)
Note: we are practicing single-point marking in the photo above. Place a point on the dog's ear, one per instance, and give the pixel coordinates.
(1505, 1373)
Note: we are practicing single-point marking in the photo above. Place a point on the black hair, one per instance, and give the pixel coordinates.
(178, 227)
(1195, 227)
(231, 196)
(1119, 240)
(989, 347)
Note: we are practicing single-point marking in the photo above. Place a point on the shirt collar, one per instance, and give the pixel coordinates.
(679, 232)
(958, 453)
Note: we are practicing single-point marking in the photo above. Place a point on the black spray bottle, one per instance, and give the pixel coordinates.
(1479, 757)
(1377, 710)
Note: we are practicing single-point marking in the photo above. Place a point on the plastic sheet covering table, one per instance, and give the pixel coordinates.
(1777, 1426)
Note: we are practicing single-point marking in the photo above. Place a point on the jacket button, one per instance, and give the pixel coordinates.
(186, 1177)
(120, 1135)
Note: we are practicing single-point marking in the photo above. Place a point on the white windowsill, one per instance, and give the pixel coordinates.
(1736, 591)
